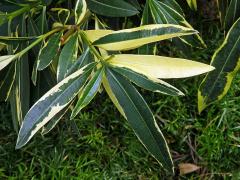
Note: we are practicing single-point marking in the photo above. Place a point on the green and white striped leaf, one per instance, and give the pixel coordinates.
(54, 121)
(226, 60)
(140, 118)
(52, 103)
(49, 51)
(233, 13)
(163, 13)
(192, 4)
(159, 66)
(5, 60)
(151, 84)
(80, 10)
(89, 92)
(135, 37)
(112, 8)
(67, 57)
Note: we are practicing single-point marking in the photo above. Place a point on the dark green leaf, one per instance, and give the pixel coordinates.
(49, 51)
(112, 8)
(143, 81)
(67, 57)
(226, 60)
(140, 118)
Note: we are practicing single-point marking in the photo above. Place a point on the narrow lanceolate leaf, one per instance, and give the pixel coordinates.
(67, 57)
(164, 13)
(226, 60)
(151, 84)
(112, 8)
(49, 51)
(192, 4)
(89, 92)
(80, 10)
(52, 103)
(140, 118)
(160, 66)
(20, 95)
(10, 40)
(5, 60)
(132, 38)
(233, 13)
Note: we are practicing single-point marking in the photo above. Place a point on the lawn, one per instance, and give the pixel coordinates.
(99, 143)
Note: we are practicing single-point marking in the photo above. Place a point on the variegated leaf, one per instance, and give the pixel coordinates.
(140, 118)
(52, 103)
(135, 37)
(226, 60)
(159, 66)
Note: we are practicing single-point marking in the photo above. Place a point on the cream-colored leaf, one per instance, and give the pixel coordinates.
(160, 66)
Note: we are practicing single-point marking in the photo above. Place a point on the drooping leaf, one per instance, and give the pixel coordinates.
(233, 13)
(226, 60)
(132, 38)
(89, 92)
(80, 10)
(5, 60)
(163, 13)
(159, 66)
(20, 93)
(52, 103)
(152, 84)
(67, 57)
(49, 51)
(140, 118)
(112, 8)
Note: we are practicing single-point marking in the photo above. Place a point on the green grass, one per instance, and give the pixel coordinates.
(99, 144)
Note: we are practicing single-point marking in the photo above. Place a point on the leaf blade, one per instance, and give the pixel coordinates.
(135, 37)
(160, 66)
(51, 103)
(227, 62)
(141, 119)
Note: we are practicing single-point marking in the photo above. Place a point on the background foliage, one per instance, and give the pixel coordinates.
(202, 141)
